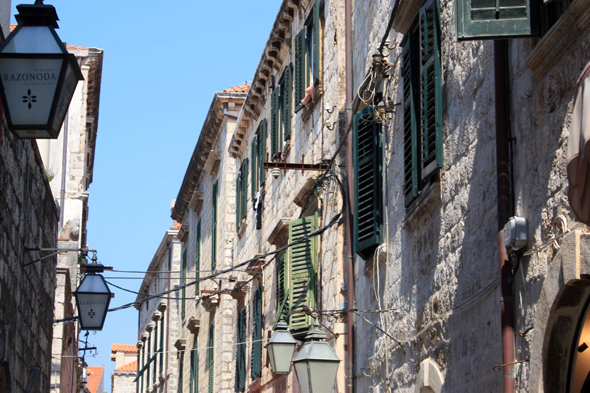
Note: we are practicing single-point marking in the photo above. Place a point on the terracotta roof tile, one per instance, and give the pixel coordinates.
(238, 89)
(94, 376)
(128, 367)
(126, 348)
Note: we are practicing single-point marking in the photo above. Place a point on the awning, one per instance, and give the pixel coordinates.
(578, 151)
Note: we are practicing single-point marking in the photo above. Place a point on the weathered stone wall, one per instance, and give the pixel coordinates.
(28, 218)
(122, 382)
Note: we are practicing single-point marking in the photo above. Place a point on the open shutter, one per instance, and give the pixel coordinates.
(214, 227)
(194, 378)
(316, 41)
(244, 189)
(299, 69)
(183, 291)
(254, 169)
(367, 180)
(287, 100)
(241, 352)
(180, 388)
(410, 94)
(238, 199)
(211, 355)
(495, 19)
(198, 256)
(256, 359)
(262, 152)
(274, 121)
(431, 91)
(302, 259)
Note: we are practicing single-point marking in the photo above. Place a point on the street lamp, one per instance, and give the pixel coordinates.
(92, 298)
(316, 364)
(281, 347)
(38, 76)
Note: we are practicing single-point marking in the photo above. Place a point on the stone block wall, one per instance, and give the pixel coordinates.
(28, 218)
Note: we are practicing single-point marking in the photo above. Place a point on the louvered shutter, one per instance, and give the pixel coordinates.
(316, 41)
(302, 259)
(211, 355)
(495, 19)
(194, 377)
(410, 98)
(214, 227)
(183, 291)
(254, 170)
(431, 91)
(274, 121)
(281, 277)
(299, 77)
(256, 359)
(161, 345)
(198, 256)
(262, 152)
(287, 100)
(180, 373)
(240, 382)
(368, 190)
(244, 191)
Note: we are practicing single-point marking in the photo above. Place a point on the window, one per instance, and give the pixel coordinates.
(194, 378)
(258, 156)
(214, 227)
(256, 359)
(281, 111)
(182, 284)
(198, 256)
(240, 384)
(299, 276)
(162, 344)
(368, 182)
(180, 372)
(477, 19)
(307, 55)
(211, 356)
(154, 358)
(242, 194)
(422, 101)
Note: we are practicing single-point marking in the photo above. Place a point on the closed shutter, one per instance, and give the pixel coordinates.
(241, 352)
(198, 256)
(244, 191)
(256, 359)
(367, 180)
(180, 373)
(254, 170)
(302, 259)
(431, 89)
(317, 8)
(492, 19)
(154, 359)
(211, 356)
(162, 345)
(299, 69)
(194, 377)
(214, 227)
(410, 94)
(274, 121)
(183, 292)
(262, 151)
(282, 285)
(287, 100)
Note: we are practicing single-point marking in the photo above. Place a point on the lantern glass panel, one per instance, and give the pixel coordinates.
(281, 357)
(302, 376)
(65, 96)
(93, 283)
(33, 39)
(92, 308)
(322, 375)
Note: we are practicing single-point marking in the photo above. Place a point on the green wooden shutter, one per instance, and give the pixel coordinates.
(493, 19)
(244, 208)
(254, 170)
(239, 199)
(282, 285)
(299, 69)
(262, 152)
(287, 100)
(211, 355)
(180, 373)
(410, 109)
(240, 383)
(274, 121)
(256, 359)
(198, 256)
(162, 344)
(367, 158)
(214, 227)
(316, 42)
(183, 283)
(194, 377)
(431, 91)
(155, 357)
(302, 259)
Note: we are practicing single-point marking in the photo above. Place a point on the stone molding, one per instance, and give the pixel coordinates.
(280, 232)
(180, 344)
(156, 316)
(162, 306)
(196, 202)
(212, 163)
(193, 325)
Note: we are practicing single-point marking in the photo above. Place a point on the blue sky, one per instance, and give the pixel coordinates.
(163, 60)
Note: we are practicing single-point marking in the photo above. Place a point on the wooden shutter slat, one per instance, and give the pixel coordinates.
(299, 69)
(211, 355)
(288, 101)
(254, 170)
(274, 121)
(262, 152)
(198, 256)
(256, 358)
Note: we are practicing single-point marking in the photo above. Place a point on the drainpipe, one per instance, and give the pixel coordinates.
(505, 206)
(349, 370)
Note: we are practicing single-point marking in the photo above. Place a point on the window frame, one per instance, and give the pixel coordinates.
(308, 54)
(242, 194)
(281, 111)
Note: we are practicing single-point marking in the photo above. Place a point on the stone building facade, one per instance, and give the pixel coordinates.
(123, 378)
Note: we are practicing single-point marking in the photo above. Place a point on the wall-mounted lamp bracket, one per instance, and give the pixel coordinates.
(55, 252)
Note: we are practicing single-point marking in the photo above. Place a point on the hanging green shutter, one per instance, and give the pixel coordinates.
(240, 382)
(194, 377)
(254, 169)
(245, 189)
(495, 19)
(316, 41)
(155, 356)
(367, 158)
(281, 276)
(162, 344)
(214, 227)
(274, 121)
(238, 199)
(198, 256)
(180, 373)
(287, 100)
(302, 259)
(410, 108)
(211, 355)
(256, 359)
(262, 152)
(299, 69)
(431, 91)
(183, 292)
